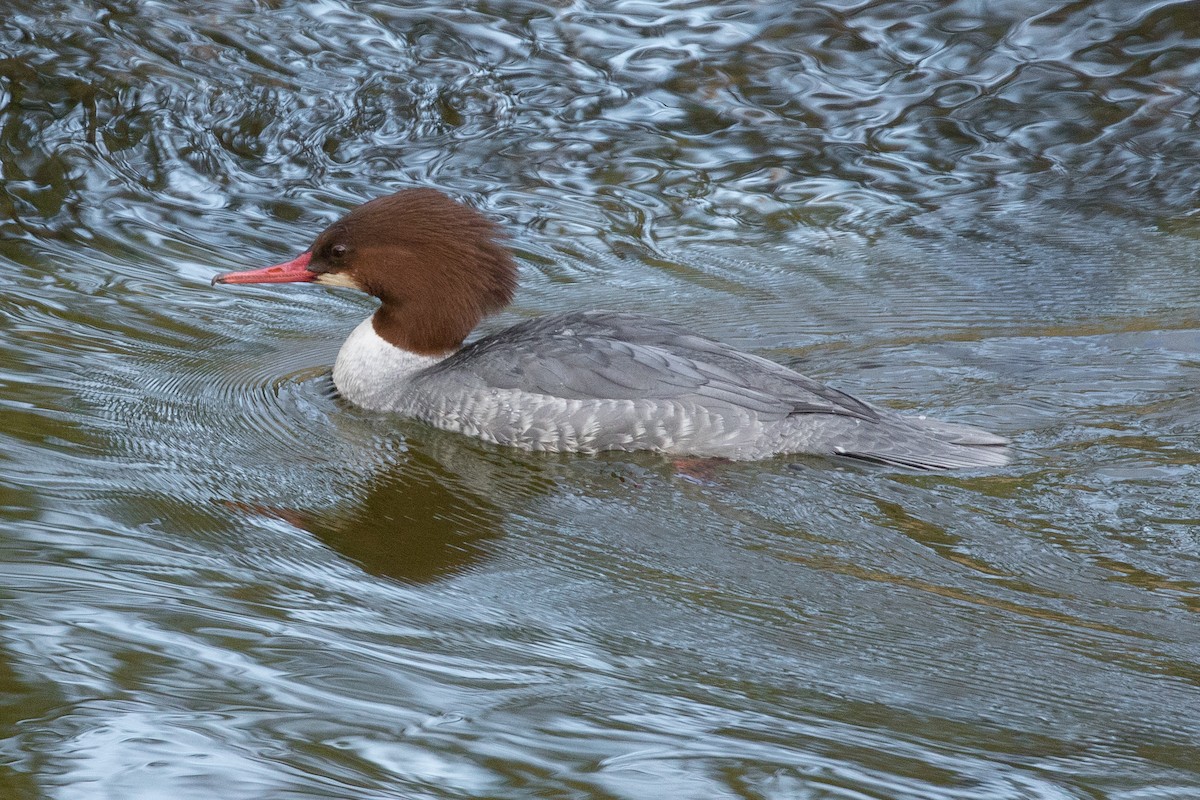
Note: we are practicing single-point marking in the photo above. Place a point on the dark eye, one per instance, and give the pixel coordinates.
(338, 252)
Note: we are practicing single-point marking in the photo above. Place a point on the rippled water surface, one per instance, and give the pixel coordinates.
(221, 581)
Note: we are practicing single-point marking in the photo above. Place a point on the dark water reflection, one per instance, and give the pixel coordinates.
(220, 580)
(423, 519)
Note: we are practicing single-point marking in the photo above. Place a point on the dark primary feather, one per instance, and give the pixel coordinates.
(611, 355)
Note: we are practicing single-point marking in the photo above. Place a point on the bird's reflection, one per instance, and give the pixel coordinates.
(415, 522)
(431, 514)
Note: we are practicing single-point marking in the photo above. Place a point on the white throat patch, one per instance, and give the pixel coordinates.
(373, 373)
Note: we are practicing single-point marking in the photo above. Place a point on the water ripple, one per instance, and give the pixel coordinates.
(221, 579)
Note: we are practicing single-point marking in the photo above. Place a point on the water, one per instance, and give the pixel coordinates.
(220, 580)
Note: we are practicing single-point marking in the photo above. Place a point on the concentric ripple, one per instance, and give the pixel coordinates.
(220, 580)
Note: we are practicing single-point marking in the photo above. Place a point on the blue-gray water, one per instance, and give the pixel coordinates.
(218, 580)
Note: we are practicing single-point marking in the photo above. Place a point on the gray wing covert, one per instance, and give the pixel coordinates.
(608, 355)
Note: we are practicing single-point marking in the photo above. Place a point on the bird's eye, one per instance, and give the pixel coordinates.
(338, 251)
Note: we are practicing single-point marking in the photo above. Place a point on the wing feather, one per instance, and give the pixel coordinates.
(609, 355)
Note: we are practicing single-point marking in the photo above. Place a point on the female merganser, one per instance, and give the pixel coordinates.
(581, 381)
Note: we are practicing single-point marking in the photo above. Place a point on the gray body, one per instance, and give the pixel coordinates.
(592, 381)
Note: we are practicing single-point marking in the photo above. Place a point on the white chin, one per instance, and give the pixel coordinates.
(337, 279)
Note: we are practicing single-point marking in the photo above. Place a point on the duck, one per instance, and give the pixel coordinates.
(580, 381)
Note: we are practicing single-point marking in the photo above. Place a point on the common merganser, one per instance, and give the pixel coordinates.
(582, 381)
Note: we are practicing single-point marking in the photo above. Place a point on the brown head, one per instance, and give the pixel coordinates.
(436, 265)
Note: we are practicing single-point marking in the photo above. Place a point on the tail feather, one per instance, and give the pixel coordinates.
(930, 445)
(956, 433)
(964, 457)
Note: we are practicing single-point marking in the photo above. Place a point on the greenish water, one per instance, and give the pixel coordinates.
(217, 579)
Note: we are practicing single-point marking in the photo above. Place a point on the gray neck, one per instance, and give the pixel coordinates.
(373, 373)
